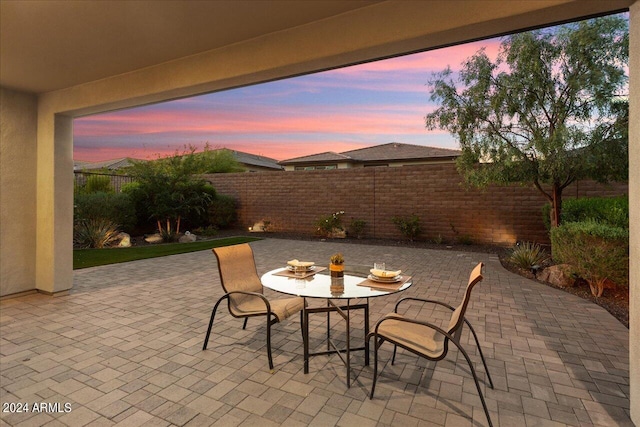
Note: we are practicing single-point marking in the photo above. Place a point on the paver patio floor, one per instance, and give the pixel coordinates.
(125, 348)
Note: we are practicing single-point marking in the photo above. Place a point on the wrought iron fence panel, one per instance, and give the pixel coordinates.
(117, 181)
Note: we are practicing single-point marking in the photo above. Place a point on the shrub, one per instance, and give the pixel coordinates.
(208, 231)
(465, 239)
(328, 224)
(115, 207)
(223, 211)
(527, 254)
(169, 191)
(597, 252)
(408, 226)
(356, 227)
(609, 210)
(95, 233)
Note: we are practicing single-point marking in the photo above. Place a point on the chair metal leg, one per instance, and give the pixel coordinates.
(376, 346)
(393, 359)
(244, 326)
(302, 324)
(213, 314)
(269, 343)
(475, 379)
(486, 369)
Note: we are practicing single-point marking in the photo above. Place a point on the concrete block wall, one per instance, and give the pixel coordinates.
(293, 201)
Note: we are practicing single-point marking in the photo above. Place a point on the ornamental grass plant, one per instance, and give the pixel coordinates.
(527, 254)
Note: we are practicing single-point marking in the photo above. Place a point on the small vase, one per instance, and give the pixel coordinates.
(337, 270)
(337, 286)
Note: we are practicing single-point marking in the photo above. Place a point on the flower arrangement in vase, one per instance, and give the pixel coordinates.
(336, 267)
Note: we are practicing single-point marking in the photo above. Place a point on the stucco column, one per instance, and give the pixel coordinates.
(54, 245)
(634, 210)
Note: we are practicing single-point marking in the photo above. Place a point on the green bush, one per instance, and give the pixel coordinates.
(356, 227)
(609, 210)
(597, 251)
(208, 231)
(94, 233)
(408, 226)
(326, 225)
(202, 217)
(223, 211)
(115, 207)
(527, 254)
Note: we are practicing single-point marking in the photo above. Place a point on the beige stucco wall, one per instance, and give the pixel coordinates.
(18, 117)
(634, 210)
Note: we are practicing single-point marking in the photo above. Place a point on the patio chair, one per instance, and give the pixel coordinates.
(243, 292)
(426, 339)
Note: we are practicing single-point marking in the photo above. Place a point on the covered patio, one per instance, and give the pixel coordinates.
(124, 347)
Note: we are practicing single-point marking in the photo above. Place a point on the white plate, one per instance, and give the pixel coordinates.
(292, 268)
(385, 279)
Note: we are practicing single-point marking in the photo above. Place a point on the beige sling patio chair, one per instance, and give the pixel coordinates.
(426, 339)
(243, 292)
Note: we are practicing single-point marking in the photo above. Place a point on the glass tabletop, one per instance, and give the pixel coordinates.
(354, 284)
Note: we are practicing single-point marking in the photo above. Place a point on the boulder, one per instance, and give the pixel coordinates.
(124, 240)
(558, 275)
(187, 238)
(154, 238)
(257, 227)
(338, 233)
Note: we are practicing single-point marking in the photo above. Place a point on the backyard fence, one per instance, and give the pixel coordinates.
(499, 214)
(117, 181)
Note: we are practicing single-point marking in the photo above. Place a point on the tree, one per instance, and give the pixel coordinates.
(544, 112)
(218, 161)
(168, 189)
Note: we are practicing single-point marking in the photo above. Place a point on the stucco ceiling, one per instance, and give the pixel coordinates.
(46, 45)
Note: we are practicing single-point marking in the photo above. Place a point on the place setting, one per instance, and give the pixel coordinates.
(297, 269)
(381, 278)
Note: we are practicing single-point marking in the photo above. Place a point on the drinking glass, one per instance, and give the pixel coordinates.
(299, 270)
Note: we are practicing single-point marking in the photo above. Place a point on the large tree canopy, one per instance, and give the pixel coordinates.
(550, 110)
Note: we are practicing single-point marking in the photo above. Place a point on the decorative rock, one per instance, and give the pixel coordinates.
(559, 275)
(125, 240)
(338, 233)
(257, 227)
(154, 238)
(187, 238)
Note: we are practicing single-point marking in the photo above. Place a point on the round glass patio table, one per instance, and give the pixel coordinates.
(343, 295)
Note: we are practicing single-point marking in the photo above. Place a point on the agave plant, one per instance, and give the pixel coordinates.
(527, 254)
(95, 233)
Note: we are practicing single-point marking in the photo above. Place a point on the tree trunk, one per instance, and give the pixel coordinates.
(556, 204)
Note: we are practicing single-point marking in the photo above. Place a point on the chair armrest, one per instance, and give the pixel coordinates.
(407, 320)
(255, 294)
(423, 300)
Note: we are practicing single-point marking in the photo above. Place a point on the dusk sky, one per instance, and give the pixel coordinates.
(339, 110)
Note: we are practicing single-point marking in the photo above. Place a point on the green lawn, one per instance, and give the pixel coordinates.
(83, 258)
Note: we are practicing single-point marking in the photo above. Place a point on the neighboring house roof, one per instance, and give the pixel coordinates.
(112, 164)
(399, 151)
(328, 156)
(246, 159)
(256, 160)
(393, 151)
